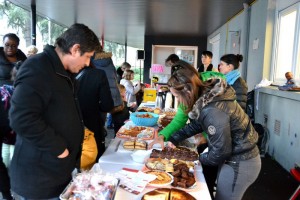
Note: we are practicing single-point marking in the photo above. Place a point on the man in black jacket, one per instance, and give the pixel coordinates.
(94, 98)
(46, 117)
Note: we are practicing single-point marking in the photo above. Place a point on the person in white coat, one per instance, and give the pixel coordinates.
(131, 89)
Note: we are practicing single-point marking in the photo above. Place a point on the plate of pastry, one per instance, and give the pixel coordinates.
(140, 132)
(167, 193)
(162, 179)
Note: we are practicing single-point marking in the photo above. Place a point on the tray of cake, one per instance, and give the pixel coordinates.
(136, 132)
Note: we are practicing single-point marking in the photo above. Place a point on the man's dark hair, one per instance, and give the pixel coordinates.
(173, 58)
(78, 34)
(12, 36)
(207, 53)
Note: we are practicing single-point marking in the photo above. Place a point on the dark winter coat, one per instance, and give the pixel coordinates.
(241, 89)
(107, 65)
(120, 117)
(46, 117)
(94, 98)
(231, 135)
(120, 73)
(6, 66)
(201, 68)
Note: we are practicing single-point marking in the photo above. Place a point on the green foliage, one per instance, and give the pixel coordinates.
(116, 49)
(55, 30)
(137, 74)
(18, 18)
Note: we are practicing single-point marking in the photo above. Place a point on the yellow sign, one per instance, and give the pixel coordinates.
(149, 94)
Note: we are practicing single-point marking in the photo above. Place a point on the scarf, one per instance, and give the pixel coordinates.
(232, 76)
(217, 90)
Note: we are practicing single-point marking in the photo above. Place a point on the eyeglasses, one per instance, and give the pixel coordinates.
(12, 46)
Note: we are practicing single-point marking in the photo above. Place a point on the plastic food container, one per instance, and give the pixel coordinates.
(139, 121)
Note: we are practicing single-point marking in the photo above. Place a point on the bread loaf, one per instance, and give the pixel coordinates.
(128, 144)
(135, 144)
(139, 144)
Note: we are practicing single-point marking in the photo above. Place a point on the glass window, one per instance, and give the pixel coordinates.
(49, 31)
(118, 57)
(287, 48)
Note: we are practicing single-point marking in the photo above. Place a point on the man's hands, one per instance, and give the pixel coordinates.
(64, 154)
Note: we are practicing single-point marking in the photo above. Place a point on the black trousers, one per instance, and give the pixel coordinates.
(210, 172)
(4, 178)
(100, 140)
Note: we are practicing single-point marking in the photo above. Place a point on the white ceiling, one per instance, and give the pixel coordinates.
(130, 20)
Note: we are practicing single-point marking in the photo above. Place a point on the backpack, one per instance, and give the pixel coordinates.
(89, 150)
(263, 136)
(250, 105)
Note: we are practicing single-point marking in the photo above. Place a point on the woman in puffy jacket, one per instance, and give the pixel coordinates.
(230, 134)
(229, 66)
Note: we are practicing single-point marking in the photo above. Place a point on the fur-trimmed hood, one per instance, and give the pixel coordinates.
(219, 92)
(102, 55)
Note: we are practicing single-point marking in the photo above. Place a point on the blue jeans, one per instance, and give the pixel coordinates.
(19, 197)
(109, 120)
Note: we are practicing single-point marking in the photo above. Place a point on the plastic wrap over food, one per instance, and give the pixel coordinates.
(92, 185)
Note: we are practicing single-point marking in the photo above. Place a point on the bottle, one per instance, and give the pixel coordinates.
(176, 103)
(158, 101)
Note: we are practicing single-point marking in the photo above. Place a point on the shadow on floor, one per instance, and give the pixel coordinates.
(273, 183)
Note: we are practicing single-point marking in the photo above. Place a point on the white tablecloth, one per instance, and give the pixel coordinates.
(113, 161)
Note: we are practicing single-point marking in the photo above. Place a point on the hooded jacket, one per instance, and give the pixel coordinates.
(46, 117)
(231, 136)
(103, 61)
(94, 99)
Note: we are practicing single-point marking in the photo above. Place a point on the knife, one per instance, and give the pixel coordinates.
(118, 145)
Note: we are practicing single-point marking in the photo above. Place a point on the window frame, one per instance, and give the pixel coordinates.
(277, 80)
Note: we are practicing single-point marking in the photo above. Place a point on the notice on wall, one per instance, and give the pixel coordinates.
(157, 68)
(235, 42)
(255, 44)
